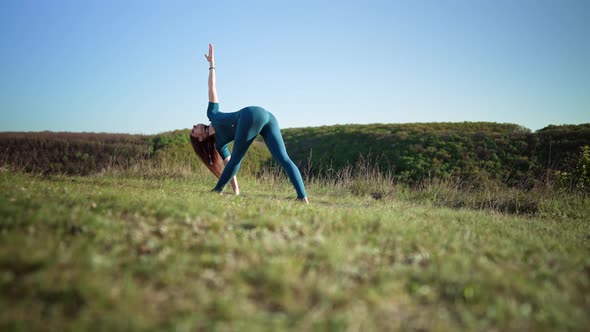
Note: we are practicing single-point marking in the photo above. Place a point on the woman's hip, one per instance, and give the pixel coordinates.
(252, 120)
(254, 115)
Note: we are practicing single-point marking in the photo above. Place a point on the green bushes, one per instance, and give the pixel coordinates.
(579, 178)
(414, 152)
(478, 153)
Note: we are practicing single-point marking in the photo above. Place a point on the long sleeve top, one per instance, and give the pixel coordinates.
(225, 127)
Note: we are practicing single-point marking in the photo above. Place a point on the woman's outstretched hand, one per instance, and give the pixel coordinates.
(210, 57)
(212, 89)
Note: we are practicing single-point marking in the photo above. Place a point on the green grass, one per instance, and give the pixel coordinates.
(120, 252)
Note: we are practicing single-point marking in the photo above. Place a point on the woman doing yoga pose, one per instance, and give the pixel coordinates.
(211, 142)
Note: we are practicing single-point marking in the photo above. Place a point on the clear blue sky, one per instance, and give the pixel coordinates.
(138, 66)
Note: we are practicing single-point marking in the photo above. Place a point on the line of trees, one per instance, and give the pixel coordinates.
(476, 151)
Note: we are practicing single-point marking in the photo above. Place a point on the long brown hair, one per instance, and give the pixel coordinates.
(206, 151)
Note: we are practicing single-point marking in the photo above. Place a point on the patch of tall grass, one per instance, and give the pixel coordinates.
(364, 179)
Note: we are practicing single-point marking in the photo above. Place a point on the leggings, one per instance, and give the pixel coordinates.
(252, 121)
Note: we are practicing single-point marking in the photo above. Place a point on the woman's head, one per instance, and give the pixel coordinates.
(200, 132)
(204, 146)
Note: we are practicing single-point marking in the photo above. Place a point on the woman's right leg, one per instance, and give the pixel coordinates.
(233, 166)
(274, 141)
(249, 125)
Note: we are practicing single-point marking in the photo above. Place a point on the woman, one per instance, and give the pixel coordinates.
(211, 142)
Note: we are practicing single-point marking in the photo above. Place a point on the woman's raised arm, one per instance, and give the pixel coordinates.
(212, 90)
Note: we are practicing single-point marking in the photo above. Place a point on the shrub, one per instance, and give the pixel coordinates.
(579, 178)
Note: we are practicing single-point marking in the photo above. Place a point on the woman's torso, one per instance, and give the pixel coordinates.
(226, 124)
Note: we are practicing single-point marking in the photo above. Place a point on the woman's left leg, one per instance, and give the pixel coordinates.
(274, 141)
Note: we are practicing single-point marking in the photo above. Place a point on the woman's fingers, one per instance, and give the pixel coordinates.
(210, 56)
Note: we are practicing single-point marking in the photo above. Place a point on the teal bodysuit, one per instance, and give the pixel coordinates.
(242, 127)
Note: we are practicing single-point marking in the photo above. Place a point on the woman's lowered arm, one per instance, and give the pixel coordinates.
(212, 89)
(234, 181)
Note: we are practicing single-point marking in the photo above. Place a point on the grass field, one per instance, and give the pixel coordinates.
(120, 252)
